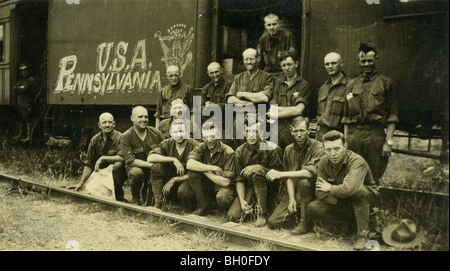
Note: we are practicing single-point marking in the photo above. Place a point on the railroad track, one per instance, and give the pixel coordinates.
(190, 224)
(235, 233)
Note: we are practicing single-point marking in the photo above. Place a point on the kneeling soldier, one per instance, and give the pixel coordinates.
(252, 165)
(169, 162)
(211, 171)
(103, 150)
(344, 188)
(299, 163)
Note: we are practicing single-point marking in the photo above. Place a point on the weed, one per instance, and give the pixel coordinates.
(264, 246)
(204, 240)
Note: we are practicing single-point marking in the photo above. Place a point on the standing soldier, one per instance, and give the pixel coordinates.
(271, 43)
(137, 142)
(371, 106)
(291, 93)
(175, 89)
(252, 86)
(215, 92)
(252, 165)
(26, 91)
(331, 97)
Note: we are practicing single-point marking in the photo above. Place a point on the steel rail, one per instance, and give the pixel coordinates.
(185, 223)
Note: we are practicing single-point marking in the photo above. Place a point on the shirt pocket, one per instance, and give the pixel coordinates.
(337, 105)
(354, 107)
(322, 101)
(376, 102)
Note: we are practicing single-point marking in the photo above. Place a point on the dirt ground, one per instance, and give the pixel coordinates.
(33, 222)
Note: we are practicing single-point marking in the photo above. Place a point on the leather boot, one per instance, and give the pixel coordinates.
(362, 223)
(157, 185)
(305, 225)
(197, 187)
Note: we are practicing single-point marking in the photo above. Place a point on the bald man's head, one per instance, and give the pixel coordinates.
(139, 117)
(333, 63)
(215, 72)
(106, 122)
(250, 59)
(173, 75)
(250, 52)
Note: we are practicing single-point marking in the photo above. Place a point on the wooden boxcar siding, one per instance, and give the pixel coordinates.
(412, 51)
(6, 97)
(80, 29)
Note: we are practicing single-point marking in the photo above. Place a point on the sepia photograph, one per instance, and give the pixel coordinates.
(234, 126)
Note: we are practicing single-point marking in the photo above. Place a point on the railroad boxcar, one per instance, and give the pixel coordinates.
(99, 55)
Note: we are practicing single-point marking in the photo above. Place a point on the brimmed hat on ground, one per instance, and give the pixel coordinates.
(403, 234)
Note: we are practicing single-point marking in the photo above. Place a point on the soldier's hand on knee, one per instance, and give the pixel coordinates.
(273, 174)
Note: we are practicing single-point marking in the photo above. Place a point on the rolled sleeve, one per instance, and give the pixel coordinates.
(268, 87)
(127, 150)
(233, 89)
(89, 160)
(196, 154)
(393, 105)
(316, 154)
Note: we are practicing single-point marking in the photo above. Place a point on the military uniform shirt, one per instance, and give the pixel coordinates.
(247, 155)
(331, 98)
(134, 148)
(98, 147)
(285, 95)
(261, 81)
(270, 47)
(222, 156)
(170, 93)
(169, 148)
(306, 158)
(371, 100)
(216, 94)
(346, 178)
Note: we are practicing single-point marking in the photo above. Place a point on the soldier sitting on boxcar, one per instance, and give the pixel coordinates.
(103, 150)
(371, 106)
(26, 91)
(211, 172)
(299, 172)
(175, 89)
(137, 142)
(331, 97)
(291, 94)
(272, 42)
(344, 187)
(252, 165)
(169, 164)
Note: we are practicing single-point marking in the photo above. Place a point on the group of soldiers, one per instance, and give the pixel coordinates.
(332, 177)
